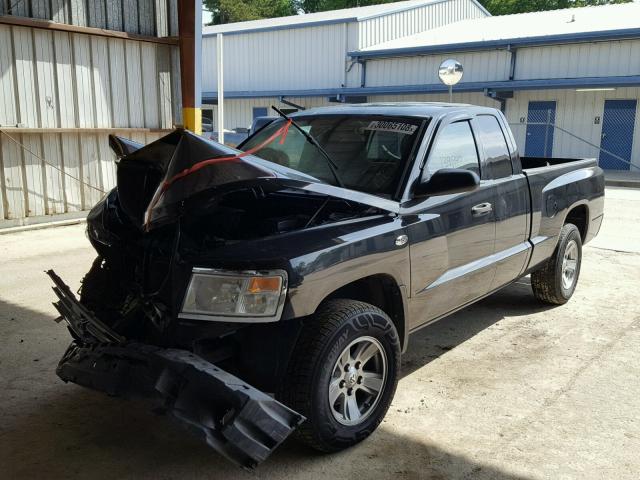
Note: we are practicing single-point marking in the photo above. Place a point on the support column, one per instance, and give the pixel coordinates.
(190, 41)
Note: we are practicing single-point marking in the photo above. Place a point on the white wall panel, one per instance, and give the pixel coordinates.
(395, 25)
(118, 82)
(133, 65)
(46, 78)
(150, 85)
(25, 77)
(83, 81)
(70, 148)
(33, 175)
(618, 58)
(147, 17)
(302, 58)
(101, 81)
(51, 152)
(8, 108)
(478, 66)
(66, 94)
(13, 188)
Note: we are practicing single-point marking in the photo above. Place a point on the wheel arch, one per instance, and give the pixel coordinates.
(578, 215)
(380, 290)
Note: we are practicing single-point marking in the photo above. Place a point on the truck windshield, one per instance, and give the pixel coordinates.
(371, 152)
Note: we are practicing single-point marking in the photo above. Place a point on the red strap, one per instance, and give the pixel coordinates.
(211, 161)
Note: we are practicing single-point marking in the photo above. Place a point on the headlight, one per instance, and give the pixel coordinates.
(220, 295)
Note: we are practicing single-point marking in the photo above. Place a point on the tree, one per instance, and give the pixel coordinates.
(506, 7)
(228, 11)
(310, 6)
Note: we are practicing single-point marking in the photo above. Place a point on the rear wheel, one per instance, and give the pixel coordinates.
(556, 280)
(343, 374)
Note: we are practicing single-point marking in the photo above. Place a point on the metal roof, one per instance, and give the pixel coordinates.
(605, 22)
(321, 18)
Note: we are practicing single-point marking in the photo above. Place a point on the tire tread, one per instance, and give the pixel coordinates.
(313, 339)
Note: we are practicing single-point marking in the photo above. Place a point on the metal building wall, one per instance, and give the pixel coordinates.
(305, 58)
(612, 58)
(300, 58)
(575, 112)
(418, 70)
(63, 93)
(395, 25)
(146, 17)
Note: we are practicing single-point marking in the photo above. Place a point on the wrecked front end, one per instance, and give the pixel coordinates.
(239, 421)
(166, 313)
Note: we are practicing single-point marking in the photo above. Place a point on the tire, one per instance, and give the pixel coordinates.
(549, 282)
(317, 361)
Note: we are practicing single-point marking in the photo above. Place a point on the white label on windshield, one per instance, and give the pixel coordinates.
(385, 126)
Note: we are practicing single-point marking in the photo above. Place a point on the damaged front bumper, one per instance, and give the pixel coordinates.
(237, 420)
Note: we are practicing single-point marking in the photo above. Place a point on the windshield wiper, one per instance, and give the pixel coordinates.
(330, 163)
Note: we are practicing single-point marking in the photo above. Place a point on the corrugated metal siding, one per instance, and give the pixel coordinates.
(60, 80)
(146, 17)
(576, 112)
(312, 57)
(389, 27)
(579, 60)
(479, 66)
(316, 57)
(67, 80)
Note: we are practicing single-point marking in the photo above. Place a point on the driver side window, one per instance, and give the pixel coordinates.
(455, 147)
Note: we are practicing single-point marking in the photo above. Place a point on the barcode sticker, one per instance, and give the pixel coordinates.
(398, 127)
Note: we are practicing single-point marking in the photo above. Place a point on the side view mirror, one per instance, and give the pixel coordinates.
(447, 181)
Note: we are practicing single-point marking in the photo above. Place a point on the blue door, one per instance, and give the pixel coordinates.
(541, 119)
(259, 112)
(617, 134)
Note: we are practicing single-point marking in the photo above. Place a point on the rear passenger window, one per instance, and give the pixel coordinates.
(454, 148)
(494, 146)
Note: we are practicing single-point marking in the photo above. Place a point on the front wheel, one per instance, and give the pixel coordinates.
(342, 374)
(556, 280)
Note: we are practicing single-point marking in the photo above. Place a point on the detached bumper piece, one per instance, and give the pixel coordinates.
(237, 420)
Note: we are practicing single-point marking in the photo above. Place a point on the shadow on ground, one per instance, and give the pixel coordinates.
(434, 340)
(64, 431)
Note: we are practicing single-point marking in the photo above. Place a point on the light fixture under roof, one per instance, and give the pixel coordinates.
(601, 89)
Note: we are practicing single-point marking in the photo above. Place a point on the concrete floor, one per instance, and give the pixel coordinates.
(505, 389)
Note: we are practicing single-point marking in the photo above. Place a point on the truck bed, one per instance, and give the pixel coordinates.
(558, 186)
(538, 162)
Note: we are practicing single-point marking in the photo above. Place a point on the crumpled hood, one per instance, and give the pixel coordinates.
(155, 181)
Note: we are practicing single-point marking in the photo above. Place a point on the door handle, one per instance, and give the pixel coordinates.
(481, 209)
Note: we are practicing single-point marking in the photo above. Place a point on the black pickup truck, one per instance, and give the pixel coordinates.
(299, 264)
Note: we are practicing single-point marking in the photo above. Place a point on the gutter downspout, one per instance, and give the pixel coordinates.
(363, 72)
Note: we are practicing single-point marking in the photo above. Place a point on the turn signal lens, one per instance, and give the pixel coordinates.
(264, 284)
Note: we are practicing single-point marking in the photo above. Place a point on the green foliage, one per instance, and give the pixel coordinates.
(506, 7)
(310, 6)
(228, 11)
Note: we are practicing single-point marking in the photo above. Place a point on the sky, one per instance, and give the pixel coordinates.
(206, 17)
